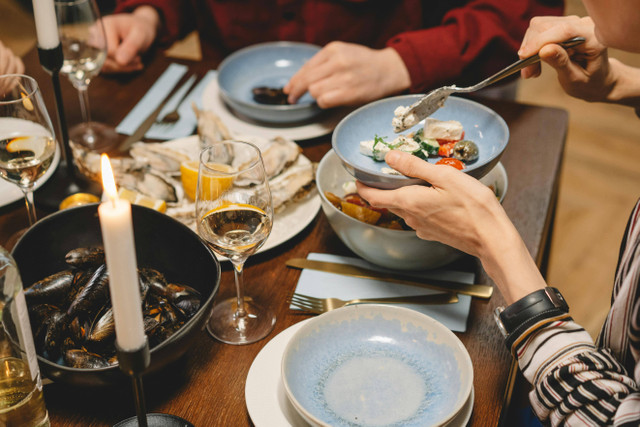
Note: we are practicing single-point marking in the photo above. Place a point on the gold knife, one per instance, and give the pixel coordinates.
(480, 291)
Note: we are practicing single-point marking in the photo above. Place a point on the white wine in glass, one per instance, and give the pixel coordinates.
(27, 144)
(235, 216)
(84, 48)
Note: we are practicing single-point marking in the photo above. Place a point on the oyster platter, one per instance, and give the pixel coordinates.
(166, 173)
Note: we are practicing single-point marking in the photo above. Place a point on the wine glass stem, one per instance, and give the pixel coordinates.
(28, 200)
(238, 268)
(83, 92)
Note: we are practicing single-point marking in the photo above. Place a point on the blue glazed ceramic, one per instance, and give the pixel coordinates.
(375, 365)
(481, 125)
(271, 65)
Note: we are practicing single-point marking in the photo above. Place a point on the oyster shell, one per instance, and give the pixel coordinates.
(210, 127)
(159, 157)
(146, 181)
(293, 184)
(277, 154)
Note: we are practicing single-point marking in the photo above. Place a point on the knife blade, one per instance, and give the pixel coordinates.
(479, 291)
(139, 133)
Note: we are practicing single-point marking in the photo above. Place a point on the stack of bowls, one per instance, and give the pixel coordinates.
(396, 249)
(366, 365)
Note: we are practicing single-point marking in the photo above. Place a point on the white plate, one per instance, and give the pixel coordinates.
(292, 220)
(288, 222)
(10, 192)
(323, 125)
(269, 409)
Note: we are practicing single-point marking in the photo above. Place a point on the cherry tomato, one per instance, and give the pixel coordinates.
(451, 162)
(446, 150)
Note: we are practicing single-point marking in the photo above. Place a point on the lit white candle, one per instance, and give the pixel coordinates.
(44, 13)
(120, 253)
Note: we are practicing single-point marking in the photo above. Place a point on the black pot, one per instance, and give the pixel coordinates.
(162, 243)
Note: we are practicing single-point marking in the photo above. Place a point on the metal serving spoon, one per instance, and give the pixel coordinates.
(435, 99)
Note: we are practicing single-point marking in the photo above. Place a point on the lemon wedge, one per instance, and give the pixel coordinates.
(213, 184)
(142, 200)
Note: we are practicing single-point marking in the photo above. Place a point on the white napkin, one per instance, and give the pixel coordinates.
(187, 123)
(324, 285)
(150, 101)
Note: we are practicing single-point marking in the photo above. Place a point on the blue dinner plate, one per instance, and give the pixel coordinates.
(267, 64)
(481, 125)
(374, 365)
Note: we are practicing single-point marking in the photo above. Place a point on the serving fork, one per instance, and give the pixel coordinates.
(322, 305)
(435, 99)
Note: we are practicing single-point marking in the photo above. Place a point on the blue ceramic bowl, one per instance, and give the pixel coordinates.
(366, 365)
(481, 125)
(271, 65)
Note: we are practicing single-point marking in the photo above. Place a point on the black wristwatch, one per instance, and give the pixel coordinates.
(522, 314)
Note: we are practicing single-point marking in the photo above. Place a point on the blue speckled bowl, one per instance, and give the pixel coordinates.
(375, 365)
(481, 125)
(266, 64)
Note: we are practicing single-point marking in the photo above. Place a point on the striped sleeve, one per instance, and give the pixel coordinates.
(574, 382)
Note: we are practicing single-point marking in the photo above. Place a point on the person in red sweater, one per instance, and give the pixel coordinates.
(372, 48)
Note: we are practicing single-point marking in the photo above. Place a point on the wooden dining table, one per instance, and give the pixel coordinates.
(206, 386)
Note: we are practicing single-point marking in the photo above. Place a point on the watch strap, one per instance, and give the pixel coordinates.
(546, 303)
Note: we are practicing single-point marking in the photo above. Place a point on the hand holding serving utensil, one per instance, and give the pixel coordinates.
(234, 216)
(436, 98)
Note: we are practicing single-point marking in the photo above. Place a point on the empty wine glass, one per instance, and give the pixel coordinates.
(27, 145)
(235, 215)
(84, 48)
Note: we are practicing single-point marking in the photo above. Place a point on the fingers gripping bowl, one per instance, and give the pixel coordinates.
(396, 249)
(162, 243)
(481, 125)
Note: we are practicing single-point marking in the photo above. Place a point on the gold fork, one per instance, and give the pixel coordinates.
(321, 305)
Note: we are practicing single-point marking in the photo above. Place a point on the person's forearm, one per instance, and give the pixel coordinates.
(508, 262)
(627, 87)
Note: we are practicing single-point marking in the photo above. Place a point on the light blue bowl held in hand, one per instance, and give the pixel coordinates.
(481, 125)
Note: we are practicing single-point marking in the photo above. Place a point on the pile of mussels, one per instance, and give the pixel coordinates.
(72, 318)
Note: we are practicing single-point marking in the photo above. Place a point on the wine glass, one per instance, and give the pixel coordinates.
(234, 215)
(84, 48)
(27, 144)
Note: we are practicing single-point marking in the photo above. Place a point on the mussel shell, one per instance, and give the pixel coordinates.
(93, 295)
(103, 329)
(80, 358)
(85, 257)
(54, 335)
(52, 289)
(154, 280)
(270, 95)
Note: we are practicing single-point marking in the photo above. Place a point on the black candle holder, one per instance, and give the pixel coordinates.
(65, 180)
(134, 363)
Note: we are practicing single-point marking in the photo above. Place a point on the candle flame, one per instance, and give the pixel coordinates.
(108, 181)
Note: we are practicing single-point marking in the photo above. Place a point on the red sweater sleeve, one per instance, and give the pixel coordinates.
(472, 42)
(175, 15)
